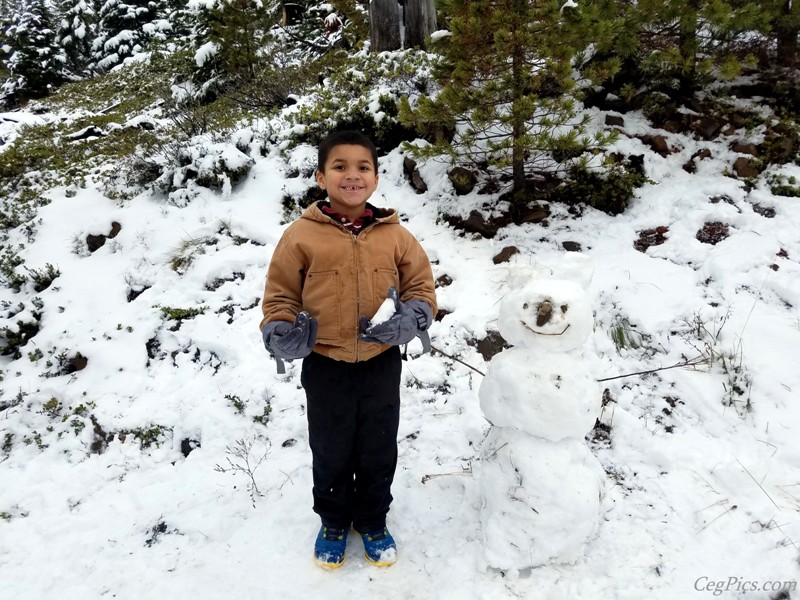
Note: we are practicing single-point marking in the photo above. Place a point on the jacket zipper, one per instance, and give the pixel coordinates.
(358, 287)
(354, 237)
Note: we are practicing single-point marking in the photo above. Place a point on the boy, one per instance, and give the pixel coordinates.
(330, 272)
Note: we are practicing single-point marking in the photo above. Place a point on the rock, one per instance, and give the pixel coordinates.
(115, 229)
(713, 233)
(77, 363)
(615, 121)
(689, 166)
(765, 211)
(651, 237)
(463, 180)
(477, 223)
(533, 214)
(744, 167)
(658, 143)
(444, 281)
(100, 437)
(188, 445)
(441, 314)
(492, 344)
(95, 242)
(86, 132)
(571, 246)
(409, 165)
(505, 254)
(709, 128)
(418, 183)
(745, 148)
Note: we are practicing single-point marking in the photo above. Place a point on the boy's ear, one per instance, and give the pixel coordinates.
(321, 179)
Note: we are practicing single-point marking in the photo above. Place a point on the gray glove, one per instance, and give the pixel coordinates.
(285, 340)
(410, 319)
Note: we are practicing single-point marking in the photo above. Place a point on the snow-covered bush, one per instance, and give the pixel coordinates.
(213, 165)
(363, 93)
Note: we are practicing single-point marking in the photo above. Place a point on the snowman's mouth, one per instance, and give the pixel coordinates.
(532, 330)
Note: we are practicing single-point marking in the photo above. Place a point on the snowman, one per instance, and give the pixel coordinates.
(540, 484)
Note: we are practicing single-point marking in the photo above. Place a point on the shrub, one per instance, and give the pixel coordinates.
(609, 190)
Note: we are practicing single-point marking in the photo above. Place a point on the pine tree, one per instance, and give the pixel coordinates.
(783, 29)
(686, 39)
(75, 34)
(124, 28)
(506, 89)
(181, 21)
(229, 40)
(35, 61)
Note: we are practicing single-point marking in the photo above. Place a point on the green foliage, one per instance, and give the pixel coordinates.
(9, 261)
(237, 403)
(52, 408)
(14, 338)
(659, 107)
(42, 278)
(151, 435)
(263, 418)
(609, 189)
(188, 250)
(780, 185)
(362, 92)
(507, 91)
(179, 314)
(623, 335)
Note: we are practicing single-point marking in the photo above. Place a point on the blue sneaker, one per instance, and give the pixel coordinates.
(379, 547)
(329, 547)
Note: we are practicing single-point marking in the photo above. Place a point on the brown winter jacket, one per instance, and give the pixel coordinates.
(337, 276)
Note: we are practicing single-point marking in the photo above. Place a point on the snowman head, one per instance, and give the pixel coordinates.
(543, 312)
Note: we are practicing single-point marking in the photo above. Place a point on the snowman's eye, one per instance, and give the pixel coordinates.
(525, 306)
(564, 308)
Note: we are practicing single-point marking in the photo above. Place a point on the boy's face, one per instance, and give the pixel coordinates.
(350, 178)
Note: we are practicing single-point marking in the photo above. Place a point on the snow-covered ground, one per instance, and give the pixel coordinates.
(699, 495)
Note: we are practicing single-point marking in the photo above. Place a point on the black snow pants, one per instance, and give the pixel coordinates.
(353, 416)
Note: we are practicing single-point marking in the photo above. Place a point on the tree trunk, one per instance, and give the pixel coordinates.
(517, 118)
(787, 38)
(688, 47)
(384, 25)
(420, 22)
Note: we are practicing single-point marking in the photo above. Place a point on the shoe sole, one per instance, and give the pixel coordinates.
(326, 565)
(379, 563)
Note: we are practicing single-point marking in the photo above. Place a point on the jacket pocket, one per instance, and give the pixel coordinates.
(322, 299)
(382, 280)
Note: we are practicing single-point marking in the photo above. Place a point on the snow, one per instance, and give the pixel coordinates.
(695, 490)
(384, 312)
(549, 395)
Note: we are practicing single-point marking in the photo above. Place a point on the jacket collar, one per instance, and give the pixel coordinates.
(382, 215)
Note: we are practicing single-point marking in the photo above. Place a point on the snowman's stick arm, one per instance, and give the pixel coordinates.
(691, 362)
(458, 360)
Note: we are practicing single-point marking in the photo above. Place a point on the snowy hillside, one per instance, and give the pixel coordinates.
(127, 419)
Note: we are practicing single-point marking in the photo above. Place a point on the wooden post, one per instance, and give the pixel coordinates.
(420, 22)
(384, 25)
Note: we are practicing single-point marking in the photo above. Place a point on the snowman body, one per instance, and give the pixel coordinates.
(540, 484)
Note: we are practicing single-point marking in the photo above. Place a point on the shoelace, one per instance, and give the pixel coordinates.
(377, 536)
(332, 534)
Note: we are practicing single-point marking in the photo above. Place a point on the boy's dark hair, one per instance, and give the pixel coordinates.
(349, 137)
